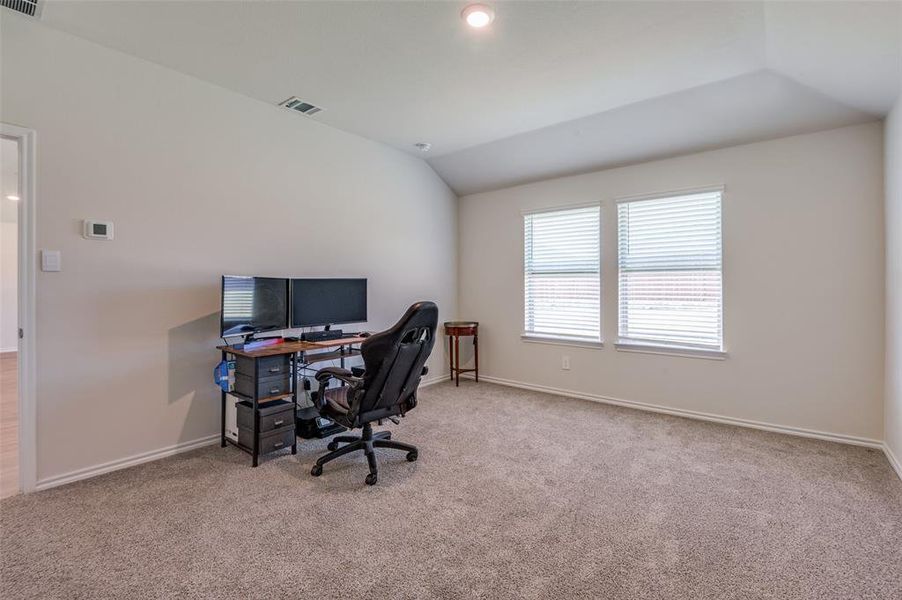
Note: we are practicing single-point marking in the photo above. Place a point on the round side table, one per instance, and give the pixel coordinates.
(455, 329)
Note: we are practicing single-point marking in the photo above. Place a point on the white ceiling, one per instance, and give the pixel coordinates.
(406, 72)
(744, 109)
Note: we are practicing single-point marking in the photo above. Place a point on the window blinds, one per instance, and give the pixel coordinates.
(670, 281)
(562, 273)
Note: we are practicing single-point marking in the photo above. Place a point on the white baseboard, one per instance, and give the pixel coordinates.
(893, 461)
(12, 350)
(691, 414)
(432, 380)
(137, 459)
(124, 463)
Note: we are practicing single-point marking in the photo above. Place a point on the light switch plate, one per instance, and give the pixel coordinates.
(51, 261)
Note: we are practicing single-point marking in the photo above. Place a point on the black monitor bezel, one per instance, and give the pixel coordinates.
(291, 321)
(256, 331)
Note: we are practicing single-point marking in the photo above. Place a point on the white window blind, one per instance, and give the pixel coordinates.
(670, 259)
(563, 274)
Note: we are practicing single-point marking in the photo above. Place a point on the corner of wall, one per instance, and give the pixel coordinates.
(893, 223)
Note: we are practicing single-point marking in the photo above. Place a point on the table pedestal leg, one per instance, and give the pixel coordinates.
(451, 356)
(476, 355)
(457, 358)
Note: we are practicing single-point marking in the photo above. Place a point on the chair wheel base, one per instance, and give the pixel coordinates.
(368, 442)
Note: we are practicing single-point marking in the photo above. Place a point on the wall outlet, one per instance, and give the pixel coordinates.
(565, 363)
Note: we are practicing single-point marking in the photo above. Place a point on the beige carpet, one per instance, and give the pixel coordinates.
(515, 495)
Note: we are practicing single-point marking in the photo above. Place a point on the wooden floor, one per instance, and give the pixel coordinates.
(9, 425)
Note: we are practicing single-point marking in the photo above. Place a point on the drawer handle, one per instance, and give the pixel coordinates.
(278, 444)
(274, 390)
(275, 369)
(279, 422)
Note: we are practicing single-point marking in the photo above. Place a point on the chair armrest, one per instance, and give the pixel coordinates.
(324, 375)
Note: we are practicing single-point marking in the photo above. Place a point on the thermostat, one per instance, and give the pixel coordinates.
(98, 230)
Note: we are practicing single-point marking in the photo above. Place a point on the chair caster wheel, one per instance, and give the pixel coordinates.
(371, 479)
(412, 456)
(317, 470)
(333, 446)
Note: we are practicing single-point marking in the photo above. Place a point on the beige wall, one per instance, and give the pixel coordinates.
(893, 409)
(803, 285)
(199, 181)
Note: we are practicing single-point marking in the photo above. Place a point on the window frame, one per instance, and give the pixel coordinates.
(561, 339)
(662, 347)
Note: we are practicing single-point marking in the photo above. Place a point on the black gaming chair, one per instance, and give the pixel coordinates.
(394, 362)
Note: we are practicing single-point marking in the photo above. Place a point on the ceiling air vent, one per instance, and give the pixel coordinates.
(296, 104)
(26, 7)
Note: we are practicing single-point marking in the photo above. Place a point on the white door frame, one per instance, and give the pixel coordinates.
(26, 308)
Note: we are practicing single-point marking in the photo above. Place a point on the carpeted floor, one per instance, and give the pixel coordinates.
(515, 495)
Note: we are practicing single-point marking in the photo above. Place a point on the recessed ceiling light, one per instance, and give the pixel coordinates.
(12, 197)
(423, 146)
(478, 15)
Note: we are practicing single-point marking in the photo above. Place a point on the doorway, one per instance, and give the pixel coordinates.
(18, 403)
(10, 202)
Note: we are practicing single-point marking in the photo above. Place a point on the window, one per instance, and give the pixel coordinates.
(670, 263)
(562, 274)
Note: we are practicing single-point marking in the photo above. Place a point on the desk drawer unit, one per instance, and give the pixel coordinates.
(273, 415)
(276, 425)
(264, 381)
(262, 388)
(269, 441)
(263, 367)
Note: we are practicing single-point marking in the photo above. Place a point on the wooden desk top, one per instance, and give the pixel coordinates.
(339, 342)
(291, 347)
(275, 350)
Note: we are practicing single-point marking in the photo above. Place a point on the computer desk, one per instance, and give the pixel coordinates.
(271, 373)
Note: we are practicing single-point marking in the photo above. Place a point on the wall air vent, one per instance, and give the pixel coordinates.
(296, 104)
(26, 7)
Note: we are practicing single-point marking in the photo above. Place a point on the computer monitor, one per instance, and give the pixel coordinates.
(327, 301)
(253, 305)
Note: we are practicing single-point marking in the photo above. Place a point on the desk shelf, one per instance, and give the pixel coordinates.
(261, 400)
(310, 359)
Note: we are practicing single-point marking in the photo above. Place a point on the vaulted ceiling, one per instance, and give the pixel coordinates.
(550, 88)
